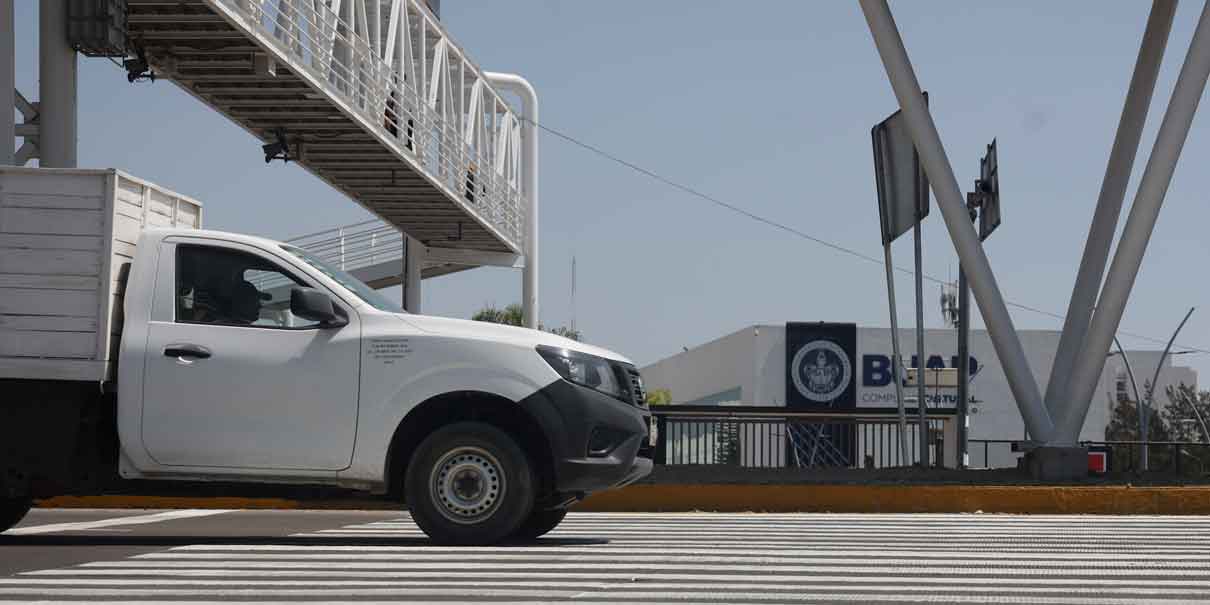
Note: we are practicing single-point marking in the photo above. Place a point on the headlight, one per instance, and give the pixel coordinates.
(585, 370)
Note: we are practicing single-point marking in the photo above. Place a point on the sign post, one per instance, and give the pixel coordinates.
(982, 204)
(903, 201)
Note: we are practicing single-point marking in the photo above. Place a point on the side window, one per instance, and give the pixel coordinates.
(227, 287)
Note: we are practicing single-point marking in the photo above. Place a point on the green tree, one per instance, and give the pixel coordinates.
(514, 315)
(1124, 423)
(1186, 412)
(511, 315)
(659, 397)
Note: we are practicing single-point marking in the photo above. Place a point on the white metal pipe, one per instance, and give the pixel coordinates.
(56, 88)
(922, 436)
(1144, 435)
(1109, 202)
(8, 84)
(413, 260)
(953, 209)
(897, 359)
(1139, 225)
(529, 187)
(1138, 401)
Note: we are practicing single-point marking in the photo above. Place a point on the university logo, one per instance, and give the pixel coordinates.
(821, 371)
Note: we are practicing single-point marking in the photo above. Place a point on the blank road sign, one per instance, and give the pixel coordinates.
(903, 189)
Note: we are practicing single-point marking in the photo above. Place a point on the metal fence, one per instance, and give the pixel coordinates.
(1180, 458)
(776, 437)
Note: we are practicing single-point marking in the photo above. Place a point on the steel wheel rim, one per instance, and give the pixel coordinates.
(467, 485)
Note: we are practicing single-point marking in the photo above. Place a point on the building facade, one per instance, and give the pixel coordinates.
(749, 367)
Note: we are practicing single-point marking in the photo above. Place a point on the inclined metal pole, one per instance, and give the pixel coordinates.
(1139, 226)
(921, 404)
(56, 88)
(1109, 202)
(953, 209)
(529, 187)
(8, 85)
(897, 360)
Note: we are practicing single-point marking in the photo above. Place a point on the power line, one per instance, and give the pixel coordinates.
(793, 231)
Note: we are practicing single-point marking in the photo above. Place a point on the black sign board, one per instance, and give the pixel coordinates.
(821, 366)
(989, 189)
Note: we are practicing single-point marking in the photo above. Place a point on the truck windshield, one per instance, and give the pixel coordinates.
(352, 284)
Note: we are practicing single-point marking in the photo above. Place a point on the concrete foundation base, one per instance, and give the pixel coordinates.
(1057, 463)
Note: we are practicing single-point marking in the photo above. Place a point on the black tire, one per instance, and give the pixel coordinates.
(469, 483)
(12, 511)
(539, 523)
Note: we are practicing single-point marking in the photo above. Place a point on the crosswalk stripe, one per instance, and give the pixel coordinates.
(681, 558)
(114, 522)
(721, 555)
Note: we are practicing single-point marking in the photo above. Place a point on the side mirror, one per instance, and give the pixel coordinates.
(312, 305)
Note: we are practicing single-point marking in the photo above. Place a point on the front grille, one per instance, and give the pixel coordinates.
(636, 388)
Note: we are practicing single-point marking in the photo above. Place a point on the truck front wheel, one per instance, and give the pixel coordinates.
(469, 483)
(12, 511)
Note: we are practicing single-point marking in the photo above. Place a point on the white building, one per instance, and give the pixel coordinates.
(748, 367)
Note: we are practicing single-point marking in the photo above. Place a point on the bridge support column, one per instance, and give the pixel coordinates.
(529, 187)
(8, 84)
(56, 88)
(413, 259)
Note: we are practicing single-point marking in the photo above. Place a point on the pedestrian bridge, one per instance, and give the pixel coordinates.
(371, 96)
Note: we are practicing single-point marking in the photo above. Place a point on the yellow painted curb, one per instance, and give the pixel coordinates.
(1029, 499)
(1026, 499)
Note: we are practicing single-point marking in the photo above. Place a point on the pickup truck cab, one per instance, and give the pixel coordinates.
(247, 360)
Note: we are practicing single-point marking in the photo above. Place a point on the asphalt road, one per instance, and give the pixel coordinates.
(190, 556)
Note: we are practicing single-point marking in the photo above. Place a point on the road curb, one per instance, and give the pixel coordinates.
(1108, 500)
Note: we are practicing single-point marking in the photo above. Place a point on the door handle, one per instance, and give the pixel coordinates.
(181, 351)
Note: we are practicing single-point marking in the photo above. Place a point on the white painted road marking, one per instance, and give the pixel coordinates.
(682, 558)
(114, 522)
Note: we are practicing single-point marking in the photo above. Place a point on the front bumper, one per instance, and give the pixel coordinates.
(569, 414)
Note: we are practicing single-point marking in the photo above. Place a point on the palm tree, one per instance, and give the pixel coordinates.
(513, 315)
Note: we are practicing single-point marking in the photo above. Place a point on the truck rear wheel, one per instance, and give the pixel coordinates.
(469, 483)
(539, 523)
(12, 511)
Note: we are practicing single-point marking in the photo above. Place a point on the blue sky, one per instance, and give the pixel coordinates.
(765, 105)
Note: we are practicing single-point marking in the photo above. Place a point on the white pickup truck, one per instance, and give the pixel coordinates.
(130, 351)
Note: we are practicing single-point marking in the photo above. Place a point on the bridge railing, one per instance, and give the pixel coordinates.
(394, 66)
(354, 246)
